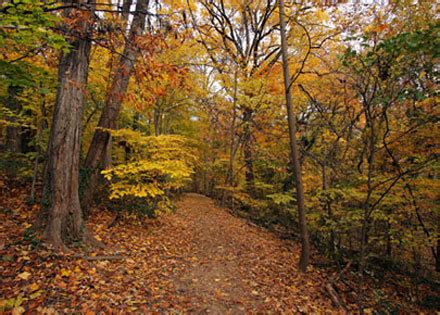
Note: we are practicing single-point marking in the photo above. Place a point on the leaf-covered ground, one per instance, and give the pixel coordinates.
(200, 259)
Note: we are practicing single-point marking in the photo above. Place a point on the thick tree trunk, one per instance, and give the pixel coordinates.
(100, 144)
(305, 244)
(64, 220)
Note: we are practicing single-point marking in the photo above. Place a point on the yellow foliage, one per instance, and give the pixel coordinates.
(161, 163)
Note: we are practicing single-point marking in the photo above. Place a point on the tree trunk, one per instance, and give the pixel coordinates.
(126, 9)
(13, 131)
(328, 209)
(389, 246)
(43, 126)
(13, 139)
(230, 176)
(305, 244)
(156, 117)
(229, 180)
(247, 151)
(64, 216)
(367, 206)
(437, 257)
(109, 116)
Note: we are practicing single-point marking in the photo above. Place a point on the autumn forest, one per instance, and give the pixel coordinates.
(219, 157)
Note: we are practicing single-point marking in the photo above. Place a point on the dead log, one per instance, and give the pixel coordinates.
(330, 288)
(337, 301)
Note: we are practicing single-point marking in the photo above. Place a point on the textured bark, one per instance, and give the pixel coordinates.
(305, 244)
(64, 219)
(99, 147)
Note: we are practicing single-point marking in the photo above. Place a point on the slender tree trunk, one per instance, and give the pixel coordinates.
(205, 177)
(126, 9)
(65, 220)
(366, 205)
(43, 126)
(13, 131)
(305, 244)
(233, 146)
(156, 117)
(328, 208)
(109, 116)
(389, 247)
(247, 151)
(437, 256)
(230, 176)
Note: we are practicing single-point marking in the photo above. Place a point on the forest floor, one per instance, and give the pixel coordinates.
(199, 259)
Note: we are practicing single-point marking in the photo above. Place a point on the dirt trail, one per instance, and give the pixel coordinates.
(228, 266)
(198, 260)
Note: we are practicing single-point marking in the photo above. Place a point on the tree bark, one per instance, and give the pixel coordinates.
(126, 9)
(229, 180)
(43, 126)
(437, 257)
(305, 244)
(100, 143)
(156, 118)
(64, 216)
(328, 209)
(248, 154)
(367, 208)
(13, 131)
(13, 139)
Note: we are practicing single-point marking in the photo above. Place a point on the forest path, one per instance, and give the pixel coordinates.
(199, 259)
(227, 266)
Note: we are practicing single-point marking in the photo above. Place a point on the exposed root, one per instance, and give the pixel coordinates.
(57, 245)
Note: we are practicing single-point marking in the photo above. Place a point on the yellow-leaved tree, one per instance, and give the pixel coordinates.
(154, 167)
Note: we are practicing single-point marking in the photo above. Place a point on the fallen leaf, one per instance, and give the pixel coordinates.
(24, 275)
(18, 310)
(65, 272)
(36, 294)
(33, 287)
